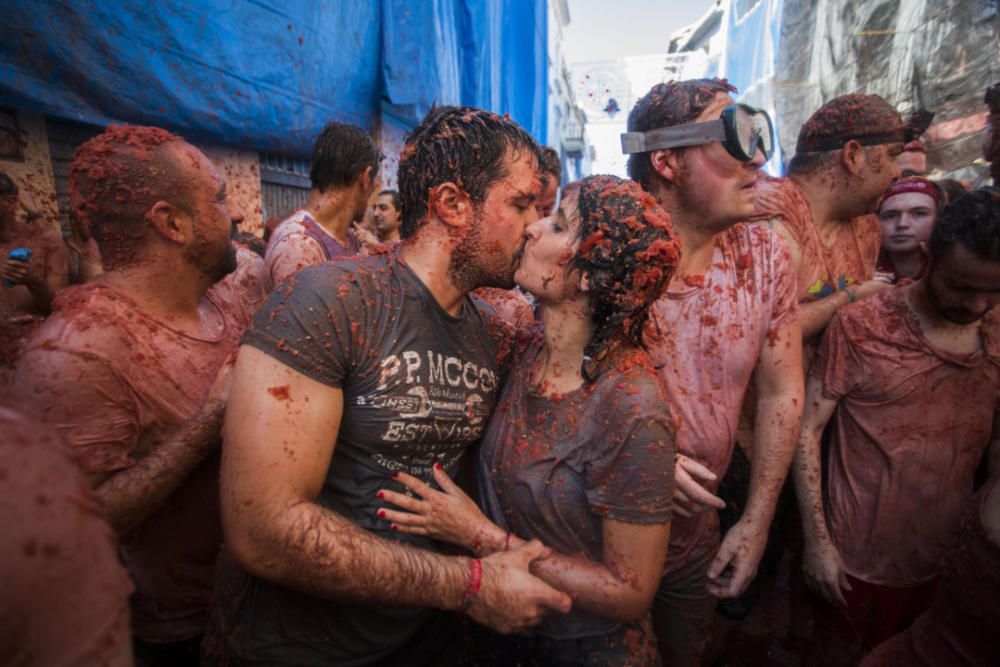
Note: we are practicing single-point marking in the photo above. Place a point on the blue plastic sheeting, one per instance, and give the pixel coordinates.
(484, 53)
(749, 60)
(254, 73)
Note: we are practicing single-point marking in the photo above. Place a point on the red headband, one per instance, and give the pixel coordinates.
(913, 184)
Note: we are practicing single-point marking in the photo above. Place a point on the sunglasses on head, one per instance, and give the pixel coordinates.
(740, 129)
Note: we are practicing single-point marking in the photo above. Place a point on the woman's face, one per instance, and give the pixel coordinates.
(550, 245)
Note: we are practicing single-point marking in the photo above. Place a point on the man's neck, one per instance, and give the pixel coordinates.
(697, 242)
(907, 264)
(428, 254)
(171, 294)
(331, 211)
(821, 191)
(934, 325)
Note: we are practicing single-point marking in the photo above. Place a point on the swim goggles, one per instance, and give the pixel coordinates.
(740, 128)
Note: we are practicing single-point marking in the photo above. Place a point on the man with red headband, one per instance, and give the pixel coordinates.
(911, 381)
(844, 161)
(907, 213)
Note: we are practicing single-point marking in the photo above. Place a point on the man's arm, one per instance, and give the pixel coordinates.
(778, 380)
(90, 406)
(815, 315)
(275, 459)
(822, 566)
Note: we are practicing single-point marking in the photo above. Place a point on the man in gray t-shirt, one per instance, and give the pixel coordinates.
(354, 370)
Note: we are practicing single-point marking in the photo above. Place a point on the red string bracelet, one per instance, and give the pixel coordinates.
(475, 582)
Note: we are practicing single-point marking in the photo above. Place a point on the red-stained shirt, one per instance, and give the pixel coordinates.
(829, 265)
(705, 341)
(247, 282)
(298, 242)
(911, 426)
(963, 624)
(64, 597)
(115, 381)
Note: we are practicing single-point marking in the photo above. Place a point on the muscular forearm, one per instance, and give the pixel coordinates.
(309, 548)
(134, 494)
(815, 315)
(808, 478)
(775, 431)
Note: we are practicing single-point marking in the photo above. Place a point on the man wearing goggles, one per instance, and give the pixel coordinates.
(740, 128)
(728, 316)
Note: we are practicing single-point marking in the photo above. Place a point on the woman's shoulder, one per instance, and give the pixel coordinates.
(631, 385)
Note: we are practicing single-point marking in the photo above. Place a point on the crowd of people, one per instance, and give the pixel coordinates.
(487, 420)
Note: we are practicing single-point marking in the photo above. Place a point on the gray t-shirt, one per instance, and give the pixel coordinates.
(418, 386)
(554, 468)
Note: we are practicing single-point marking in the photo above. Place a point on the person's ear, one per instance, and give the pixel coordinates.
(451, 205)
(584, 282)
(665, 163)
(852, 157)
(367, 180)
(171, 223)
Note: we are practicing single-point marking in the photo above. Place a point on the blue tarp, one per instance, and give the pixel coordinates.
(483, 53)
(268, 75)
(262, 74)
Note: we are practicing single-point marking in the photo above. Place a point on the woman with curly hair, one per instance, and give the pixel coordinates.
(580, 452)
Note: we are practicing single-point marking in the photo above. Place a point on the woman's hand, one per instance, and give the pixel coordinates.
(448, 515)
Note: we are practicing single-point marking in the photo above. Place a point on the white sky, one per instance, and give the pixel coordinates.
(606, 29)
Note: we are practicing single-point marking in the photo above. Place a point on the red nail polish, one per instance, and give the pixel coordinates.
(395, 475)
(380, 495)
(393, 526)
(437, 466)
(381, 514)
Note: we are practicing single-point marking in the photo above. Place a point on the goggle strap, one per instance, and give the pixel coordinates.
(677, 136)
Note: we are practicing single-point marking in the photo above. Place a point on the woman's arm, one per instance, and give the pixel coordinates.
(620, 587)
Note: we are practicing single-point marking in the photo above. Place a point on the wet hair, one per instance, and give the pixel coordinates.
(115, 179)
(665, 105)
(8, 188)
(463, 145)
(951, 188)
(397, 202)
(549, 165)
(973, 220)
(342, 153)
(628, 252)
(868, 119)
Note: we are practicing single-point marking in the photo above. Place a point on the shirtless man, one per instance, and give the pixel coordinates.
(131, 369)
(345, 164)
(728, 317)
(911, 378)
(357, 369)
(844, 161)
(28, 285)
